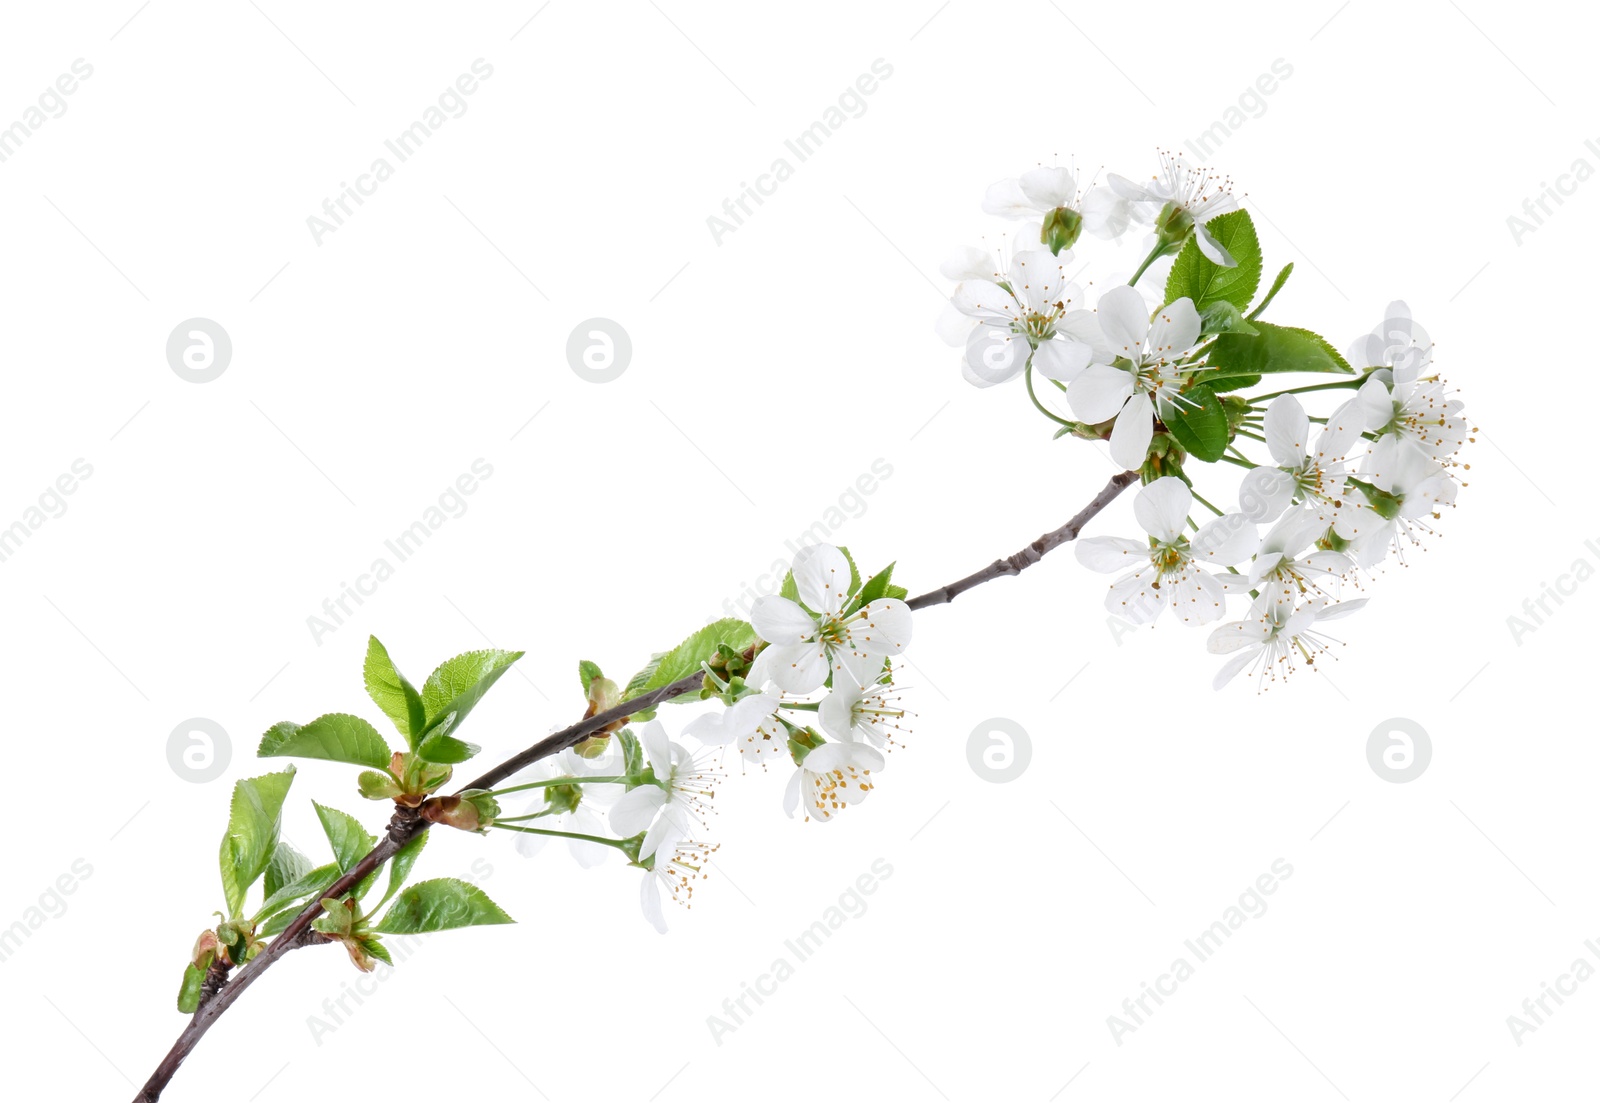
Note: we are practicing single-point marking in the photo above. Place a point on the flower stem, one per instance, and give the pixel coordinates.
(1155, 253)
(1205, 503)
(560, 781)
(1027, 377)
(1240, 462)
(1343, 383)
(559, 834)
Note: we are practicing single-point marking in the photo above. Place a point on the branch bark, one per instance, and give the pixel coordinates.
(1028, 556)
(407, 823)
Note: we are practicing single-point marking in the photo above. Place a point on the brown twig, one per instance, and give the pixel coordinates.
(407, 823)
(1028, 556)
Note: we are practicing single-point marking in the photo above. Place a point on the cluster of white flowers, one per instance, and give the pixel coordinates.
(1157, 374)
(819, 696)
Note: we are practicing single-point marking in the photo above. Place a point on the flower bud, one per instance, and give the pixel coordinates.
(473, 810)
(1061, 229)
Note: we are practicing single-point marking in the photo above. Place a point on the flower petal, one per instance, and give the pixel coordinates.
(1109, 554)
(1131, 435)
(1125, 320)
(1099, 393)
(822, 577)
(1288, 430)
(1062, 359)
(636, 809)
(1264, 493)
(780, 621)
(1175, 330)
(1162, 508)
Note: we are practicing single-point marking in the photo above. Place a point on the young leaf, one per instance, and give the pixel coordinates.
(686, 658)
(1275, 349)
(460, 683)
(877, 586)
(377, 949)
(391, 692)
(254, 820)
(336, 737)
(1272, 292)
(287, 865)
(400, 867)
(189, 991)
(438, 745)
(349, 839)
(1200, 424)
(440, 905)
(855, 575)
(1223, 317)
(311, 882)
(1199, 278)
(588, 672)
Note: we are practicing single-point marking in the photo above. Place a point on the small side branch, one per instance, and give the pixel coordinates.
(1028, 556)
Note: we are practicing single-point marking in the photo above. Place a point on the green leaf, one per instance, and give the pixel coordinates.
(588, 672)
(336, 737)
(460, 683)
(1199, 278)
(1275, 349)
(287, 865)
(377, 949)
(311, 882)
(685, 659)
(391, 692)
(254, 820)
(1229, 382)
(1223, 317)
(879, 586)
(189, 991)
(855, 575)
(440, 905)
(400, 867)
(440, 746)
(790, 589)
(349, 839)
(1200, 424)
(1272, 292)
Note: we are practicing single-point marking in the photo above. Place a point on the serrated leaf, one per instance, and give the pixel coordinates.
(1272, 292)
(438, 745)
(459, 683)
(348, 838)
(588, 672)
(1275, 349)
(1197, 277)
(790, 589)
(308, 884)
(441, 905)
(1224, 383)
(877, 586)
(855, 574)
(1223, 317)
(685, 659)
(334, 737)
(391, 692)
(189, 990)
(254, 819)
(286, 866)
(1200, 424)
(374, 946)
(400, 866)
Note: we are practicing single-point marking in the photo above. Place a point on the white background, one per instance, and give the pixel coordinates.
(769, 371)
